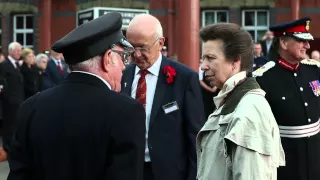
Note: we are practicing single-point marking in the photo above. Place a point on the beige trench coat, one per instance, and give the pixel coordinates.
(243, 145)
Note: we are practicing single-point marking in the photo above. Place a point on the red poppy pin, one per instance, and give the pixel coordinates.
(170, 73)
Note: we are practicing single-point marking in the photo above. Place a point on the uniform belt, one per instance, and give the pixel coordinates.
(300, 131)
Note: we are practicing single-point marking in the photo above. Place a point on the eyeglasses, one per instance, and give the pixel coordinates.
(125, 55)
(145, 50)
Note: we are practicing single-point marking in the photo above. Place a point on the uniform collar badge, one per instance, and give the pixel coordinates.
(315, 86)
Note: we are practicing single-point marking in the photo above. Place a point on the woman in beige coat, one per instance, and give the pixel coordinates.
(240, 140)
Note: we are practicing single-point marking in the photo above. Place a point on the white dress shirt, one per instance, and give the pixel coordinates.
(268, 44)
(13, 61)
(104, 81)
(151, 81)
(57, 62)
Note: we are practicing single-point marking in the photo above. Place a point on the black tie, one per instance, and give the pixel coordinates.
(18, 66)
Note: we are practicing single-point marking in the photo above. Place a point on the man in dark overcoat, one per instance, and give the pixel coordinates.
(83, 128)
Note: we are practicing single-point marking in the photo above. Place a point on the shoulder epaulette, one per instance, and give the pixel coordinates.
(263, 69)
(311, 62)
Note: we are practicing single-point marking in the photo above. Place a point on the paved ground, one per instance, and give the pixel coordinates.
(4, 168)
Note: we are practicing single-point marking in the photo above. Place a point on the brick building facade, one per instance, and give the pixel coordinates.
(38, 23)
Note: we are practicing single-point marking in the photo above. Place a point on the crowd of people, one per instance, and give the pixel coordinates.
(22, 75)
(127, 111)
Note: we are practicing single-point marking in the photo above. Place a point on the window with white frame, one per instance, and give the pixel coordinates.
(256, 22)
(214, 16)
(23, 29)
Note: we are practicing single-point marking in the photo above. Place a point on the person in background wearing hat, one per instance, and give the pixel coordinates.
(83, 129)
(172, 98)
(292, 90)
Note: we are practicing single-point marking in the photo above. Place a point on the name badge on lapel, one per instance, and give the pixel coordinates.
(170, 107)
(315, 86)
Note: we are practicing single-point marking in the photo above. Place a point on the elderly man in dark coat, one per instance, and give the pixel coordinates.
(82, 129)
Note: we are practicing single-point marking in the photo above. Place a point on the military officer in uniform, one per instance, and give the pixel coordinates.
(292, 89)
(83, 128)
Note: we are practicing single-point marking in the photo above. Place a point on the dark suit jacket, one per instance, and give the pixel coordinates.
(264, 48)
(258, 62)
(12, 96)
(12, 81)
(30, 80)
(172, 136)
(45, 81)
(86, 131)
(54, 73)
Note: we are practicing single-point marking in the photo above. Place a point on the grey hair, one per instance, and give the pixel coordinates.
(13, 45)
(159, 30)
(92, 63)
(40, 56)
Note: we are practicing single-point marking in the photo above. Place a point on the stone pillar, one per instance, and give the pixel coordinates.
(171, 39)
(47, 16)
(189, 25)
(295, 8)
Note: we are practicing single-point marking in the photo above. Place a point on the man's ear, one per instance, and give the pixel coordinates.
(283, 43)
(161, 43)
(106, 60)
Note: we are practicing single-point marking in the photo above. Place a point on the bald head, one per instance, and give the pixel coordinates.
(146, 36)
(315, 55)
(145, 24)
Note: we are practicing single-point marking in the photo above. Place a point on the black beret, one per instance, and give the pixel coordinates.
(298, 29)
(92, 39)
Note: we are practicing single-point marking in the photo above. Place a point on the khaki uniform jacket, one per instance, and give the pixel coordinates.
(242, 145)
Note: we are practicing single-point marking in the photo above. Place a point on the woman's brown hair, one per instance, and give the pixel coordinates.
(237, 42)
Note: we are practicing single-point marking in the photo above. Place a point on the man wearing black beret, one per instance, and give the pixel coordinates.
(83, 129)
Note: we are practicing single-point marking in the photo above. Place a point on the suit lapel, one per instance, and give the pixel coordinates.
(160, 91)
(126, 82)
(13, 70)
(54, 68)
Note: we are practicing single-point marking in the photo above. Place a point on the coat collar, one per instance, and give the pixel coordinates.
(79, 77)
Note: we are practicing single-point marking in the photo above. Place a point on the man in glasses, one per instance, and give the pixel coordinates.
(83, 128)
(171, 95)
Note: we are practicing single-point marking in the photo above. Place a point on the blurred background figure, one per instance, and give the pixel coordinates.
(266, 43)
(258, 60)
(315, 55)
(2, 57)
(12, 94)
(44, 80)
(164, 51)
(30, 73)
(57, 69)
